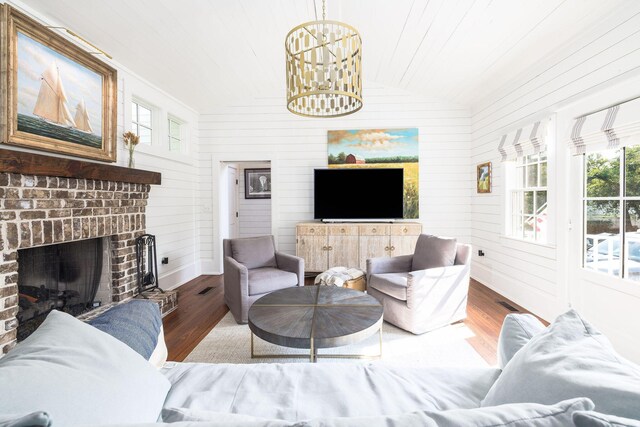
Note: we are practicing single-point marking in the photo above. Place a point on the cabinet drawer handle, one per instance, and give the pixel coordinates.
(393, 248)
(404, 230)
(330, 248)
(324, 248)
(342, 230)
(312, 230)
(373, 230)
(386, 248)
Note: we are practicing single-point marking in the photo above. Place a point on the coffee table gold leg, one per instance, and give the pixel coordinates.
(312, 352)
(252, 354)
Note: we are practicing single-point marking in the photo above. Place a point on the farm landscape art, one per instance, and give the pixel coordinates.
(380, 148)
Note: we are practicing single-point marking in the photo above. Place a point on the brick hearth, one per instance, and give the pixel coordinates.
(43, 210)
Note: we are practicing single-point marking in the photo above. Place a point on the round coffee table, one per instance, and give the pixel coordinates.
(313, 317)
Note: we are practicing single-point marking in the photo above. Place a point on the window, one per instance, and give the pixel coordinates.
(528, 198)
(611, 203)
(175, 135)
(141, 122)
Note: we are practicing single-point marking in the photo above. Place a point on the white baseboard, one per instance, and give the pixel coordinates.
(207, 266)
(178, 277)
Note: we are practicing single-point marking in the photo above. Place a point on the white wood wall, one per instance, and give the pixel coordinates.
(539, 277)
(264, 129)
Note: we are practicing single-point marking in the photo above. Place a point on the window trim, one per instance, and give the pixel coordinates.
(183, 134)
(154, 113)
(512, 187)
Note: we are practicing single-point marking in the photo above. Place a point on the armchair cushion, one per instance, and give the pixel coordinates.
(268, 279)
(433, 251)
(254, 252)
(392, 284)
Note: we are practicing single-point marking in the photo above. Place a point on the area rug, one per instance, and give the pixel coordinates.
(229, 342)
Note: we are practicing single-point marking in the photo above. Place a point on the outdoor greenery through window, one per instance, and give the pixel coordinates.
(141, 122)
(612, 212)
(175, 135)
(529, 198)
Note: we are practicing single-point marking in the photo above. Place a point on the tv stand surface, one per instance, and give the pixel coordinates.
(358, 221)
(350, 244)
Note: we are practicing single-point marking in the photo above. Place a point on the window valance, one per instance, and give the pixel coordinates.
(613, 127)
(525, 141)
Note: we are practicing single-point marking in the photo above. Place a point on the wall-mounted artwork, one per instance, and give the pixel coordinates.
(483, 177)
(380, 148)
(60, 97)
(257, 183)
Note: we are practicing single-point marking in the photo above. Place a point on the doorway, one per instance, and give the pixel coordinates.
(245, 208)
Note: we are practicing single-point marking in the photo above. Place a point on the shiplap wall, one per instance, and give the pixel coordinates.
(171, 211)
(535, 276)
(254, 214)
(263, 129)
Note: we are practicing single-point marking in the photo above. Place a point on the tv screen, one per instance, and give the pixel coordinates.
(365, 194)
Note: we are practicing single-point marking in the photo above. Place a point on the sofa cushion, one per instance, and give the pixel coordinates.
(254, 252)
(263, 280)
(392, 284)
(516, 331)
(34, 419)
(136, 323)
(596, 419)
(515, 415)
(80, 376)
(568, 359)
(433, 251)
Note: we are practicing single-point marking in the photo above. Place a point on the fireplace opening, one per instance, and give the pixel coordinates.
(69, 277)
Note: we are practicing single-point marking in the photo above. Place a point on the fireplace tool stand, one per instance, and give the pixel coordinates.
(147, 264)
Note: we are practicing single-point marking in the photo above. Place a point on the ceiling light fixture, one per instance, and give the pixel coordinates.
(324, 68)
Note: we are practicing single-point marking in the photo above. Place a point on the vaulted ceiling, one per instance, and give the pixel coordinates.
(215, 52)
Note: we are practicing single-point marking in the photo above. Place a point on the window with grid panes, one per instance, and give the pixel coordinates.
(611, 209)
(141, 122)
(528, 198)
(175, 135)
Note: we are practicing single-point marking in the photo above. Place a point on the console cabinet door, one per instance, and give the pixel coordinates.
(343, 245)
(374, 242)
(314, 251)
(403, 238)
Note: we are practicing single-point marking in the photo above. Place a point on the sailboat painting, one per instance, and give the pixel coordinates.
(50, 87)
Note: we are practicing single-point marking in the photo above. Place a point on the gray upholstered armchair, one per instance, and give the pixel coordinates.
(426, 290)
(253, 268)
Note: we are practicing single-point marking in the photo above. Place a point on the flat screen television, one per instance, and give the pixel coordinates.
(358, 194)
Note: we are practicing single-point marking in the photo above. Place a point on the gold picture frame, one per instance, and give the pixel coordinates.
(483, 178)
(44, 78)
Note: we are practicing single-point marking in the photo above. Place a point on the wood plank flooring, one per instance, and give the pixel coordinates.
(198, 313)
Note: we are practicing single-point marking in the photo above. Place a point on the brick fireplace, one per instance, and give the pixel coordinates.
(38, 210)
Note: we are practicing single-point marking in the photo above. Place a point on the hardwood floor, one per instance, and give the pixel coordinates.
(198, 313)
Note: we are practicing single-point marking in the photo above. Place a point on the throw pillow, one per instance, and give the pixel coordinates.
(516, 331)
(80, 376)
(136, 323)
(433, 251)
(254, 252)
(569, 359)
(596, 419)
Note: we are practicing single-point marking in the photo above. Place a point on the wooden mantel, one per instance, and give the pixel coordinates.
(38, 164)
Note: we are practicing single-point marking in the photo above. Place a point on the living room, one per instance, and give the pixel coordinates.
(523, 117)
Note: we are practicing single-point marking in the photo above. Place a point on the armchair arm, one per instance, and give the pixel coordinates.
(396, 264)
(292, 264)
(236, 279)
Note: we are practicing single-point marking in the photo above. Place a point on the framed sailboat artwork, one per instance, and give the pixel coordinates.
(58, 96)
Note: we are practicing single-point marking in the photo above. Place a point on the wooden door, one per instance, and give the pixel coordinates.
(374, 242)
(343, 245)
(232, 200)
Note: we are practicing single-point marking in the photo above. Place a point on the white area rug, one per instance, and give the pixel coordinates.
(229, 342)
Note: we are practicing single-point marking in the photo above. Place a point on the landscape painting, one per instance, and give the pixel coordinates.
(61, 98)
(57, 97)
(483, 176)
(380, 148)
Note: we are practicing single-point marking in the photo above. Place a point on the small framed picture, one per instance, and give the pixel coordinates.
(483, 177)
(257, 183)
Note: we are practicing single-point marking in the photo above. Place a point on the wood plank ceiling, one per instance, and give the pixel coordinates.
(213, 53)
